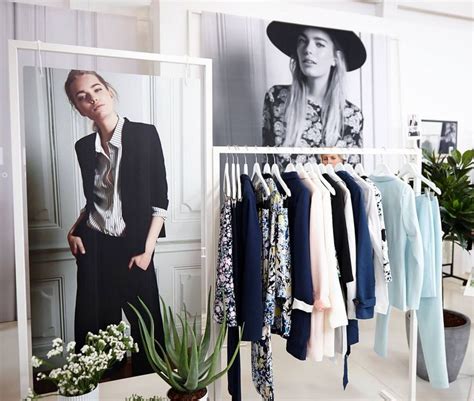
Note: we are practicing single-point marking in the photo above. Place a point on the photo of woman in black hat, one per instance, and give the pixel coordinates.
(313, 111)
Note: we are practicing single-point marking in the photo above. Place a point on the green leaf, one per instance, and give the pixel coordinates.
(168, 337)
(176, 339)
(206, 339)
(212, 378)
(183, 365)
(192, 381)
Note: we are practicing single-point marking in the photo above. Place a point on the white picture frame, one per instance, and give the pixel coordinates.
(20, 215)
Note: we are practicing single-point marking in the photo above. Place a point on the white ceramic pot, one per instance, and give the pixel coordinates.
(92, 396)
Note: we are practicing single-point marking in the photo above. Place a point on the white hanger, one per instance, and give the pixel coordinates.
(266, 167)
(232, 179)
(359, 169)
(331, 172)
(226, 184)
(301, 170)
(246, 167)
(410, 170)
(239, 185)
(383, 170)
(322, 168)
(314, 177)
(258, 173)
(339, 167)
(290, 167)
(348, 167)
(328, 186)
(277, 175)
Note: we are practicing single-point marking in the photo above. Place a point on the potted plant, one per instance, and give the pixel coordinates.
(79, 377)
(451, 174)
(186, 360)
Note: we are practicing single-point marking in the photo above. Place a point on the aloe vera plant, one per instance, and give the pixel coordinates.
(186, 361)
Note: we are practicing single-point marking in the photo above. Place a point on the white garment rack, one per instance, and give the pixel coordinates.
(211, 242)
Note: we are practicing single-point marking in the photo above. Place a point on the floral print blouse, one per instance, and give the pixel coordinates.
(274, 126)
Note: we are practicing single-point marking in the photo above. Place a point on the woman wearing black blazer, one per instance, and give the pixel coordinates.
(114, 237)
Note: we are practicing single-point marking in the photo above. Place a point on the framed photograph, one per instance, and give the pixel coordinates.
(439, 136)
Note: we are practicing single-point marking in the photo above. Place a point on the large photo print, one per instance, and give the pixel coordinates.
(286, 84)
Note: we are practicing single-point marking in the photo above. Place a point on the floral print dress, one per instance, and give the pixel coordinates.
(274, 127)
(224, 300)
(276, 277)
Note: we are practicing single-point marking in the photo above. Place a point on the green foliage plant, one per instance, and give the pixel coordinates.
(452, 175)
(186, 360)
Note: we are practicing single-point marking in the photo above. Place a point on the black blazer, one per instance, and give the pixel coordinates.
(142, 179)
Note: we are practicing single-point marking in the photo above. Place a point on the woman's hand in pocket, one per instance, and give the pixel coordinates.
(142, 261)
(75, 244)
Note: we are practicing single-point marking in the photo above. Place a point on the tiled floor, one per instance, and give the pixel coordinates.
(295, 380)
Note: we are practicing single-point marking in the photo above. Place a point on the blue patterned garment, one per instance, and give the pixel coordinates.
(262, 360)
(224, 301)
(276, 284)
(280, 258)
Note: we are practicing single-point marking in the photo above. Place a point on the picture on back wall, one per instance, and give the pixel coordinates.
(286, 84)
(439, 136)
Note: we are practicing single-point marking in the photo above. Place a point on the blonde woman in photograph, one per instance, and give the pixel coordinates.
(313, 111)
(114, 237)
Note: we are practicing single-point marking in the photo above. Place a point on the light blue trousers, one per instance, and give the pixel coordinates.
(430, 313)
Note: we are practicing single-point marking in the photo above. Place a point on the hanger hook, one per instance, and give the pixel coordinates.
(187, 71)
(40, 59)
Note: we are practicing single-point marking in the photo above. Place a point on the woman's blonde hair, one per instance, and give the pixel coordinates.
(332, 109)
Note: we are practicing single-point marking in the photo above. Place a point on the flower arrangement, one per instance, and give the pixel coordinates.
(82, 371)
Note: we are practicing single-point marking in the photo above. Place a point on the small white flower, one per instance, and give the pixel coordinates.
(30, 395)
(54, 352)
(36, 362)
(70, 347)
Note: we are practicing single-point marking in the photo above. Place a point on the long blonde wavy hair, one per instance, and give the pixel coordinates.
(332, 109)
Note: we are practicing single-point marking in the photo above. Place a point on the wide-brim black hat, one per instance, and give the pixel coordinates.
(284, 35)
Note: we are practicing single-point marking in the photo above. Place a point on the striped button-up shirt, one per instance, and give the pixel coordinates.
(106, 215)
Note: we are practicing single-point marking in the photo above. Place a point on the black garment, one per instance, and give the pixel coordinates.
(302, 286)
(105, 285)
(142, 179)
(365, 301)
(247, 275)
(233, 374)
(249, 282)
(341, 241)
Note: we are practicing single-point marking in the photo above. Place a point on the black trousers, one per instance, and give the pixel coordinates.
(105, 286)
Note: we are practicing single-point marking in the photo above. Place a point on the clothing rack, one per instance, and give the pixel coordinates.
(211, 238)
